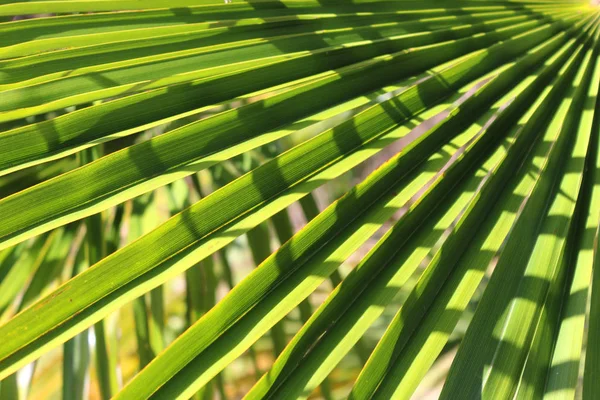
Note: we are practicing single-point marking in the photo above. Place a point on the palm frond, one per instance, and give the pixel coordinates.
(144, 139)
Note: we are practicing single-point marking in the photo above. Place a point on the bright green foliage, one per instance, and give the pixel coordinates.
(141, 142)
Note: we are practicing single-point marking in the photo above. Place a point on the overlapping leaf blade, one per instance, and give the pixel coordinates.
(503, 87)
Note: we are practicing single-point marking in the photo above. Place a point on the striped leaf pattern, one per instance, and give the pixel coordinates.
(483, 215)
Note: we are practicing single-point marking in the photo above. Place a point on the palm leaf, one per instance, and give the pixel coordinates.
(486, 110)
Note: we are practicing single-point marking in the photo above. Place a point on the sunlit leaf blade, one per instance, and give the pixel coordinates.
(323, 149)
(164, 164)
(198, 145)
(501, 295)
(203, 361)
(404, 367)
(364, 294)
